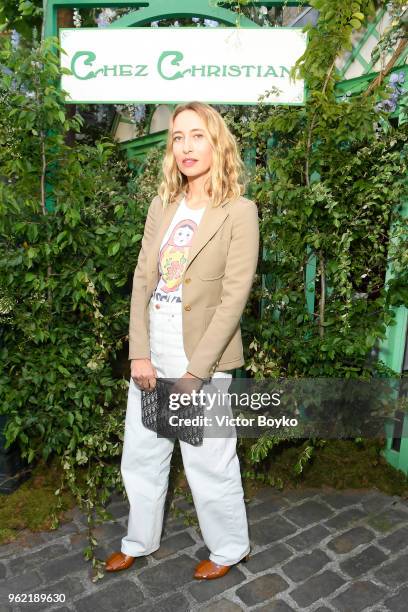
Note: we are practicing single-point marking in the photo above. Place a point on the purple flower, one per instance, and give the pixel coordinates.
(15, 39)
(139, 112)
(389, 105)
(396, 78)
(210, 23)
(105, 17)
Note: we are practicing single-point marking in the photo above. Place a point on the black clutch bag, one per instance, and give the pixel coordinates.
(156, 414)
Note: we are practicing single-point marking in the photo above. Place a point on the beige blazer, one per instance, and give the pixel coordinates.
(216, 284)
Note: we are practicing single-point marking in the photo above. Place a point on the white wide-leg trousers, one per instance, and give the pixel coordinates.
(212, 470)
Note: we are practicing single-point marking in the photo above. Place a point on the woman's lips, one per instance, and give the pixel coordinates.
(189, 162)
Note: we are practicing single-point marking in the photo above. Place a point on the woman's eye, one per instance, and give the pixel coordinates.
(198, 135)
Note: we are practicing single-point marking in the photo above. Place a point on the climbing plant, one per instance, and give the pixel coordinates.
(65, 279)
(328, 189)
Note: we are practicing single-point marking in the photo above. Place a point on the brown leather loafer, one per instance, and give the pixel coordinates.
(118, 561)
(208, 570)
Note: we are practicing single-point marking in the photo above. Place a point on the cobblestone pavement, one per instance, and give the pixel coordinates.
(311, 550)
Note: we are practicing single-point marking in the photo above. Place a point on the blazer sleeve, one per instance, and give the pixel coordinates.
(139, 344)
(239, 275)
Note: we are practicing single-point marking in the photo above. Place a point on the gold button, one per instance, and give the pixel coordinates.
(187, 307)
(157, 306)
(187, 280)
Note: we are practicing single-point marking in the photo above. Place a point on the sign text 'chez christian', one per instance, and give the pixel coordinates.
(171, 65)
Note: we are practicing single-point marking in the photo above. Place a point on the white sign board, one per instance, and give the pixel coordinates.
(172, 65)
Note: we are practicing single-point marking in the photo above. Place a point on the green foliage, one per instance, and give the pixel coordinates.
(21, 15)
(344, 219)
(331, 36)
(396, 31)
(339, 464)
(329, 188)
(65, 279)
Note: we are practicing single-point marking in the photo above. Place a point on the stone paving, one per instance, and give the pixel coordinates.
(311, 550)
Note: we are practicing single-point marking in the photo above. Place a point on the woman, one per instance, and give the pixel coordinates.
(192, 280)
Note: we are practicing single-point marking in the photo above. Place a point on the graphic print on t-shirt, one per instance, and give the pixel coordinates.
(174, 255)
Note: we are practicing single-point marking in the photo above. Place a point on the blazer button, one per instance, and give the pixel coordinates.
(187, 280)
(187, 307)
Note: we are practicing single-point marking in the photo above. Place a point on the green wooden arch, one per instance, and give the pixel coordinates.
(163, 9)
(153, 10)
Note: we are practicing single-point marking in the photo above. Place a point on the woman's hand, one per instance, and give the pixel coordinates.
(143, 373)
(187, 383)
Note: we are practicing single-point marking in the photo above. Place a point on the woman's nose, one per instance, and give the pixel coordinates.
(187, 147)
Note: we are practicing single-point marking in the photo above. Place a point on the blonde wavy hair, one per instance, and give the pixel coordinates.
(227, 176)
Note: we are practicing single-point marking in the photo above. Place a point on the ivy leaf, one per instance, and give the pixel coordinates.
(32, 232)
(63, 370)
(114, 248)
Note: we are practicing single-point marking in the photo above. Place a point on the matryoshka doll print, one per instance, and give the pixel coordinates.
(174, 255)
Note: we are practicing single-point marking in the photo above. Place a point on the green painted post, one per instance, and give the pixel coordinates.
(392, 351)
(310, 277)
(311, 265)
(250, 162)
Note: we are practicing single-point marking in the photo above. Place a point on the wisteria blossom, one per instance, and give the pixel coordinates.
(396, 83)
(105, 17)
(15, 39)
(210, 23)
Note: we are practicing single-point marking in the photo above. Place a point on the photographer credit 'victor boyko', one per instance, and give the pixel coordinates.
(193, 277)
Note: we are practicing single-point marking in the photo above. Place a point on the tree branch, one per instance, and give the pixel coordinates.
(383, 73)
(312, 124)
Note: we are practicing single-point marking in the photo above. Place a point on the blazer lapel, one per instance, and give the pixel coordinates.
(212, 219)
(167, 217)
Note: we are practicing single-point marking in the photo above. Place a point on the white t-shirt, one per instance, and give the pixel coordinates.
(174, 252)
